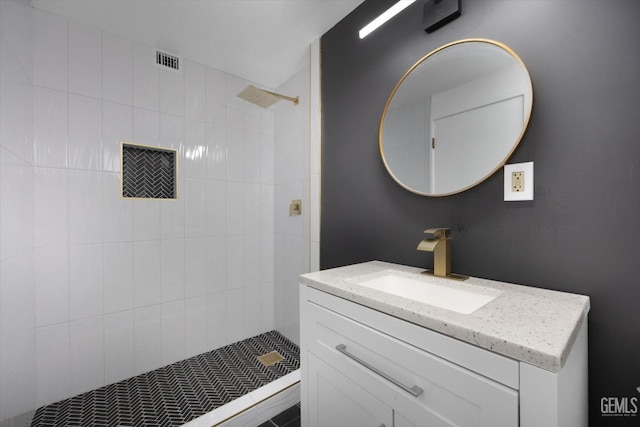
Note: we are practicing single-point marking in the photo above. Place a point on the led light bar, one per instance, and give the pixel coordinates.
(388, 14)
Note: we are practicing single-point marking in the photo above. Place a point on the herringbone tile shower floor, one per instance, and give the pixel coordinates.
(176, 394)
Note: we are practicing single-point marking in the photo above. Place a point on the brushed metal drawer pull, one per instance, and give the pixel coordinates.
(415, 391)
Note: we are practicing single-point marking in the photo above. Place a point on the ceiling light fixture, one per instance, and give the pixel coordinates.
(388, 14)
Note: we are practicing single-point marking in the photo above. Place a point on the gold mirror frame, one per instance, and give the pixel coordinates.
(527, 104)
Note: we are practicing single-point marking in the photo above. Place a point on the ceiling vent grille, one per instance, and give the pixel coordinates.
(169, 61)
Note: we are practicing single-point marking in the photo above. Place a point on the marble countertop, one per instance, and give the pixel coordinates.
(532, 325)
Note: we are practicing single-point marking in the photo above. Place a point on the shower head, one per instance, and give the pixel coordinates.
(263, 98)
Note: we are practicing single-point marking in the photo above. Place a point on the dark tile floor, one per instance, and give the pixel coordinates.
(176, 394)
(288, 418)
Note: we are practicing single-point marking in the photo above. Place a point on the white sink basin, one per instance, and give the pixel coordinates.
(460, 297)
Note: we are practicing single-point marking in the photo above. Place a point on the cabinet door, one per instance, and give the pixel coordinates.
(334, 400)
(450, 394)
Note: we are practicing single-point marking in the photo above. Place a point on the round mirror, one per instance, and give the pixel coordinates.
(455, 117)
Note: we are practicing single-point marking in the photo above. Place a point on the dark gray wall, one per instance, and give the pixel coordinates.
(581, 233)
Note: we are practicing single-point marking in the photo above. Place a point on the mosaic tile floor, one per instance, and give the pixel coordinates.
(288, 418)
(176, 394)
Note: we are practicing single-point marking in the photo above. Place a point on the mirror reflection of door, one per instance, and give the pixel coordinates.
(472, 125)
(466, 143)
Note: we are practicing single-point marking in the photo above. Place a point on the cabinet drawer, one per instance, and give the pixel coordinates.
(424, 388)
(499, 368)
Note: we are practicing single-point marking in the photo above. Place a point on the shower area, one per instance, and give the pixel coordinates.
(241, 384)
(97, 289)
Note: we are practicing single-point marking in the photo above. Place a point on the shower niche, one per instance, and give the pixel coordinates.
(148, 172)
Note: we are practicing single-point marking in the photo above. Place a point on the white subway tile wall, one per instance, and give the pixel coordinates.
(50, 48)
(85, 60)
(119, 336)
(94, 288)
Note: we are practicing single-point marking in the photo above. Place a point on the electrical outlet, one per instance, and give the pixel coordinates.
(518, 181)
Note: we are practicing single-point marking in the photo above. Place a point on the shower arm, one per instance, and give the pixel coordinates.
(285, 97)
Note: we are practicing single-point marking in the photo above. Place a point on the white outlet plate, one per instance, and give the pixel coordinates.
(527, 193)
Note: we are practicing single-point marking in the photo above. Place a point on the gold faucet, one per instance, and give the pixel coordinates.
(440, 245)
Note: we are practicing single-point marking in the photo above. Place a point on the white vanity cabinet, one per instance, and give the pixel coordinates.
(362, 367)
(356, 375)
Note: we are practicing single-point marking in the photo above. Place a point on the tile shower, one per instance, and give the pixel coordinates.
(95, 289)
(179, 393)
